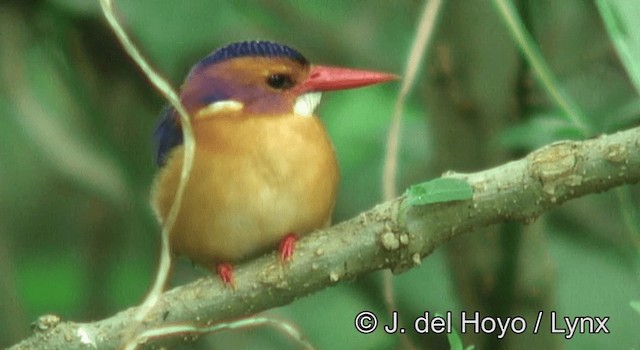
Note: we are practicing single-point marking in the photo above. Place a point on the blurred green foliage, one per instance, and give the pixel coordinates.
(78, 238)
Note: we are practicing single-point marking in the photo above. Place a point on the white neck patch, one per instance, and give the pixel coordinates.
(306, 103)
(218, 107)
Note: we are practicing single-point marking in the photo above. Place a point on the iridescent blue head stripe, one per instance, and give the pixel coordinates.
(252, 49)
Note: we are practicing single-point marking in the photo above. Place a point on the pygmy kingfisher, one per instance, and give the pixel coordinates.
(264, 170)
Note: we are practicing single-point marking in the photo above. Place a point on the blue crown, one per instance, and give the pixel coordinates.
(252, 49)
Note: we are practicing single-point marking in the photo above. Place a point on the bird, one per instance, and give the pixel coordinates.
(264, 171)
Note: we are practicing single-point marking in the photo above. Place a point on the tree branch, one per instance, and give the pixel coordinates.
(392, 235)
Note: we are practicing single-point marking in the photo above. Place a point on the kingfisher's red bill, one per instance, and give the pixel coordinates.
(326, 78)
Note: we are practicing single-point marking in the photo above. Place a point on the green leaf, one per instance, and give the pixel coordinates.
(455, 342)
(439, 190)
(620, 18)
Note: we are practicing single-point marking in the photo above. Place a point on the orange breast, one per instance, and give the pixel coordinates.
(253, 181)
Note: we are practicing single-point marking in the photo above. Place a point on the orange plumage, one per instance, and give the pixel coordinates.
(254, 179)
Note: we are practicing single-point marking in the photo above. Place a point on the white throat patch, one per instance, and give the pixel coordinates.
(306, 103)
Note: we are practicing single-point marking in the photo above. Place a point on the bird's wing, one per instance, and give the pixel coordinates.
(168, 134)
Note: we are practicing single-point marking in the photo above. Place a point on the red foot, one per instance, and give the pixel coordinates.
(225, 272)
(287, 245)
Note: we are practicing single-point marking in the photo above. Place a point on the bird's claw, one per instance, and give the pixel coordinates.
(225, 272)
(287, 246)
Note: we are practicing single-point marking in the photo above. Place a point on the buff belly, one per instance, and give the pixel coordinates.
(253, 181)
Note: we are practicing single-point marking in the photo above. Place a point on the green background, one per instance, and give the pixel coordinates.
(78, 239)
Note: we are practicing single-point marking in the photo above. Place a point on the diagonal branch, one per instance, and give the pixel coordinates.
(392, 235)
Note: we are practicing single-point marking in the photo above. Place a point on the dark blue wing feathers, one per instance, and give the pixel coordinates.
(168, 134)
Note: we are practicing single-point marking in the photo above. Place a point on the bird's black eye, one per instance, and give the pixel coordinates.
(280, 81)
